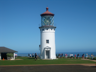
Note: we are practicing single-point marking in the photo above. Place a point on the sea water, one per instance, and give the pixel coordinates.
(68, 53)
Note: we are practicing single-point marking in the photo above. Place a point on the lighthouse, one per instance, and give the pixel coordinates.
(47, 36)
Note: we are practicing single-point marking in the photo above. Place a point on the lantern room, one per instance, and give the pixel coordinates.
(47, 18)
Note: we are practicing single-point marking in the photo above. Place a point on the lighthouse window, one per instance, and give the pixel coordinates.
(47, 41)
(42, 29)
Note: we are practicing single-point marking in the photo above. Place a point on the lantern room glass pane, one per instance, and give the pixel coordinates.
(47, 20)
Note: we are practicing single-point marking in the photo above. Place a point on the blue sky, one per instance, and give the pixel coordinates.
(75, 21)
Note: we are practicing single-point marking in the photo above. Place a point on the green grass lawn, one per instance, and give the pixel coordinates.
(31, 61)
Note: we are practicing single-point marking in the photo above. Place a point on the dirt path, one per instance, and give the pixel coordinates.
(49, 64)
(89, 59)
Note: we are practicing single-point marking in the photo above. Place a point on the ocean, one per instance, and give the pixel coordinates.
(68, 53)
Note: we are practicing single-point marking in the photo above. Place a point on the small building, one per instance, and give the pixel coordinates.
(4, 51)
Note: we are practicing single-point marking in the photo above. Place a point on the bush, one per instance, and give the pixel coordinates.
(94, 58)
(9, 54)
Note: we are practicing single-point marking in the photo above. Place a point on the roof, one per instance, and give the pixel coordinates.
(4, 49)
(47, 13)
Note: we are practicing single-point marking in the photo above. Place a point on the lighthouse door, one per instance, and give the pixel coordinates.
(47, 55)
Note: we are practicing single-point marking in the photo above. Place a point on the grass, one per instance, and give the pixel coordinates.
(31, 61)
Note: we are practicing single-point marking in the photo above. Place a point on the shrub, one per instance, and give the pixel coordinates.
(9, 54)
(94, 58)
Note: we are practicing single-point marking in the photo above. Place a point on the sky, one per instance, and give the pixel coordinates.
(75, 21)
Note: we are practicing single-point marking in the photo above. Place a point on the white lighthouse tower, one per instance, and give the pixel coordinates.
(47, 36)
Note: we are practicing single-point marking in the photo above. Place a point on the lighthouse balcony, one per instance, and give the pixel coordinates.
(47, 26)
